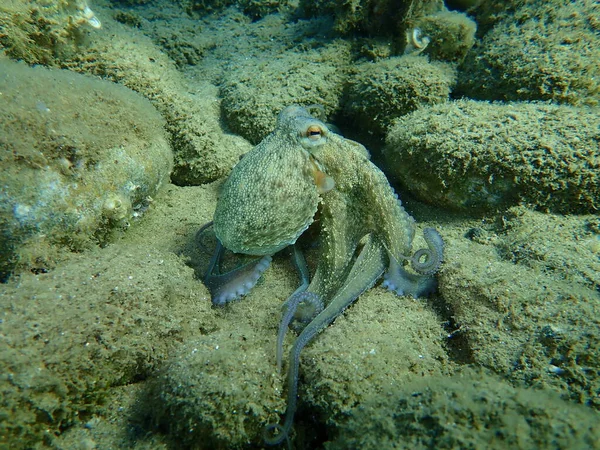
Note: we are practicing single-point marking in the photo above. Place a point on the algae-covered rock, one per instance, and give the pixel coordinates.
(481, 156)
(253, 8)
(522, 291)
(44, 32)
(381, 91)
(105, 318)
(464, 5)
(382, 341)
(125, 55)
(468, 410)
(202, 151)
(377, 17)
(133, 2)
(79, 342)
(219, 390)
(542, 51)
(256, 89)
(80, 157)
(451, 35)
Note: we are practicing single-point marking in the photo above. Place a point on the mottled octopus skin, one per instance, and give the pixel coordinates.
(362, 202)
(363, 229)
(270, 197)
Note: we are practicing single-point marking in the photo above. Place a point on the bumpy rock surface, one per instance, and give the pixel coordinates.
(58, 36)
(71, 336)
(80, 157)
(474, 155)
(470, 410)
(374, 16)
(253, 8)
(221, 387)
(381, 91)
(384, 341)
(202, 151)
(522, 293)
(451, 35)
(45, 32)
(200, 401)
(256, 89)
(554, 57)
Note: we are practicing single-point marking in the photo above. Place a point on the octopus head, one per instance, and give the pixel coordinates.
(311, 133)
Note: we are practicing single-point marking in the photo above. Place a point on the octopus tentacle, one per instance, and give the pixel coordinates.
(291, 304)
(235, 283)
(200, 233)
(402, 282)
(302, 268)
(367, 268)
(291, 309)
(434, 254)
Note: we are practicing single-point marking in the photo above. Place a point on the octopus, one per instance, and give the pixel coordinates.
(302, 170)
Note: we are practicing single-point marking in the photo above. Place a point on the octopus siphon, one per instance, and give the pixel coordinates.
(271, 198)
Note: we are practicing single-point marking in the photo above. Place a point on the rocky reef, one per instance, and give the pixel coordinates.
(379, 92)
(45, 32)
(483, 115)
(538, 51)
(83, 157)
(462, 411)
(474, 155)
(255, 90)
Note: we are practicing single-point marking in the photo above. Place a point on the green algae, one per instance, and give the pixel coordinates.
(255, 9)
(479, 156)
(373, 16)
(469, 410)
(76, 166)
(540, 51)
(379, 92)
(43, 32)
(518, 292)
(308, 77)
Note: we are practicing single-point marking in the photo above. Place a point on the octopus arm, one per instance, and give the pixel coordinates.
(367, 269)
(402, 282)
(235, 283)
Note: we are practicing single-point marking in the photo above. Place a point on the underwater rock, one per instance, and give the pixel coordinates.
(103, 319)
(451, 35)
(384, 341)
(469, 410)
(381, 91)
(80, 158)
(255, 9)
(542, 51)
(376, 17)
(125, 55)
(202, 151)
(522, 294)
(256, 89)
(219, 389)
(482, 156)
(448, 34)
(45, 32)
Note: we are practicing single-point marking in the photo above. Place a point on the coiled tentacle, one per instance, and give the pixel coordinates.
(402, 282)
(434, 253)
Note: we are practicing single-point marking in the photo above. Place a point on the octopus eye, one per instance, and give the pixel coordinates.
(314, 132)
